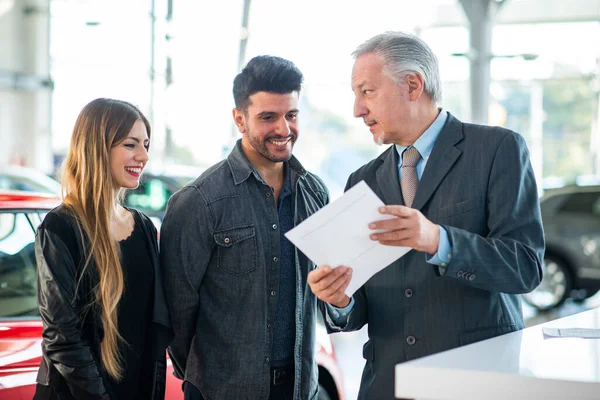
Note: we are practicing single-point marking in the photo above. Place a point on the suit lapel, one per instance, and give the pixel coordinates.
(442, 158)
(387, 178)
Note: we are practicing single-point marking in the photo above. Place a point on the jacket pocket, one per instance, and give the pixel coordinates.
(236, 250)
(476, 335)
(461, 207)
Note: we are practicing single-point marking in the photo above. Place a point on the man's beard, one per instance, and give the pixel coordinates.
(261, 147)
(378, 140)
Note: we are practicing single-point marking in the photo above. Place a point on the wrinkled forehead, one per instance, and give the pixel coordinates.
(367, 68)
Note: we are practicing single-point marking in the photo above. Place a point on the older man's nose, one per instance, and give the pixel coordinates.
(359, 108)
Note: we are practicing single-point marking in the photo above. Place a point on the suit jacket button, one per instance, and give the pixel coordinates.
(408, 293)
(411, 340)
(472, 277)
(460, 274)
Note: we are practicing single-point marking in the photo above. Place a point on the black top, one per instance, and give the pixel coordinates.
(135, 318)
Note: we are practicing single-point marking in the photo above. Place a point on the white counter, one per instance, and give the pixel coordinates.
(519, 365)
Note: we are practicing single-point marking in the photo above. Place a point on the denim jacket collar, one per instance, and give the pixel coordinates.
(241, 168)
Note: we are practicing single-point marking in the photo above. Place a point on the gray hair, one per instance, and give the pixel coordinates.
(403, 53)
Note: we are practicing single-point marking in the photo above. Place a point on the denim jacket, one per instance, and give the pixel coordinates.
(220, 246)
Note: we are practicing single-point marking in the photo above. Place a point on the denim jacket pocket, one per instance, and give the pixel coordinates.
(236, 248)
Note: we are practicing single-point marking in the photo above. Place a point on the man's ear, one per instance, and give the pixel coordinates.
(240, 120)
(416, 85)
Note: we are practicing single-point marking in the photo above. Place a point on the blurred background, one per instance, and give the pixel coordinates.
(527, 65)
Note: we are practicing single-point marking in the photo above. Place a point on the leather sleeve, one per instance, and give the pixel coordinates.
(63, 342)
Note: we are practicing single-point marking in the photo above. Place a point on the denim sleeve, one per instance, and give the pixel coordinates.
(340, 315)
(185, 251)
(444, 252)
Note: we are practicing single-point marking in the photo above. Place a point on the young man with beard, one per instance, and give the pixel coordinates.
(243, 315)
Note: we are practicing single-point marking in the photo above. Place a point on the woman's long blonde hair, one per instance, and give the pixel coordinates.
(91, 196)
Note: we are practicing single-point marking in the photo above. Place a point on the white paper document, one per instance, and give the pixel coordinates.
(584, 333)
(338, 234)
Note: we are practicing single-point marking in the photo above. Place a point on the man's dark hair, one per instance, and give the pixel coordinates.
(265, 74)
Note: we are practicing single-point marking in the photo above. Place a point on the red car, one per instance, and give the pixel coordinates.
(21, 327)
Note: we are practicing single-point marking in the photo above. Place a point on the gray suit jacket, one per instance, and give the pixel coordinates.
(479, 185)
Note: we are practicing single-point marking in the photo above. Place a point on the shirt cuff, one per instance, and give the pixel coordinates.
(340, 315)
(444, 252)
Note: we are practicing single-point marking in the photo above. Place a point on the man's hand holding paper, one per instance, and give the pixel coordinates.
(339, 235)
(330, 284)
(409, 229)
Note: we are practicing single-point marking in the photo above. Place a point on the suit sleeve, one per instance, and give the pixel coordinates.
(185, 249)
(509, 258)
(63, 342)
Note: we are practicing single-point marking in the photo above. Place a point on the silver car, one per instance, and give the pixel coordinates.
(15, 177)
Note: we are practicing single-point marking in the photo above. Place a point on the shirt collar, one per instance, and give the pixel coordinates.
(425, 142)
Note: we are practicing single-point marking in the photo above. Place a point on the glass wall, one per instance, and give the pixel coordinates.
(179, 67)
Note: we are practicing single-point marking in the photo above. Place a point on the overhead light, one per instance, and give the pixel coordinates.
(471, 55)
(529, 56)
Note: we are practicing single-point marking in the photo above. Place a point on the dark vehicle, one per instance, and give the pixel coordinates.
(571, 218)
(152, 194)
(155, 189)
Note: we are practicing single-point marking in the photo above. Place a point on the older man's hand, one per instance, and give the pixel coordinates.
(410, 228)
(329, 284)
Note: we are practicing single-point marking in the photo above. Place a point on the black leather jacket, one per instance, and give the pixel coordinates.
(71, 337)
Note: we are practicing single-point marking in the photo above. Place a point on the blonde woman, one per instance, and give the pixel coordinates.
(100, 294)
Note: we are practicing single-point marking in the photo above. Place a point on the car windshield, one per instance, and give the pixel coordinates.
(17, 264)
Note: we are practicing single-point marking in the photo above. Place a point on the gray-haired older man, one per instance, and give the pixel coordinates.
(465, 200)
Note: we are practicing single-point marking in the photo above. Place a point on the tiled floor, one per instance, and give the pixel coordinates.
(348, 346)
